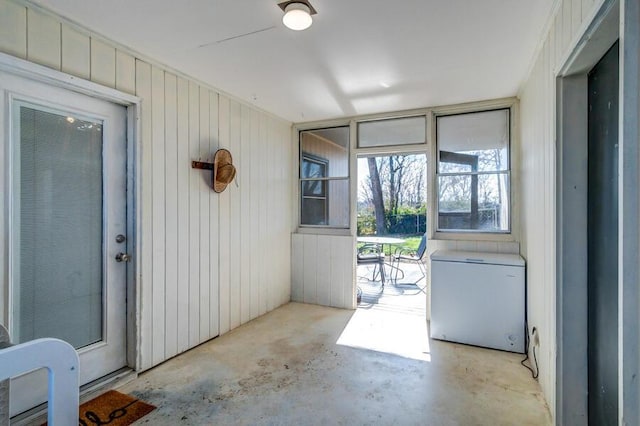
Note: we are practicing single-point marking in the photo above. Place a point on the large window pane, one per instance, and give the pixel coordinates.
(474, 202)
(325, 153)
(324, 177)
(60, 289)
(328, 209)
(393, 131)
(478, 141)
(392, 195)
(473, 171)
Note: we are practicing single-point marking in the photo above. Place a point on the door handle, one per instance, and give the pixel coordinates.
(123, 257)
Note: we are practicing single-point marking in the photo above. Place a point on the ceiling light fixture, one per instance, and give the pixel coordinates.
(297, 14)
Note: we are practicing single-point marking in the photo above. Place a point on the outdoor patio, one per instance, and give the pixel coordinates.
(406, 294)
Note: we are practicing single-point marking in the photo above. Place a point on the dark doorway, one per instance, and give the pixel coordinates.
(602, 220)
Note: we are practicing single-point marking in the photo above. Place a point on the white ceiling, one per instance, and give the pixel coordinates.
(428, 52)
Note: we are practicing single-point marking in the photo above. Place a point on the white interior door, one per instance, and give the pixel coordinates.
(67, 225)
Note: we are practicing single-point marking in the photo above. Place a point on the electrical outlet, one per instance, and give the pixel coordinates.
(535, 337)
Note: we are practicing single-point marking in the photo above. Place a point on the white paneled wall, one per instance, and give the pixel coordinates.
(537, 118)
(322, 270)
(209, 262)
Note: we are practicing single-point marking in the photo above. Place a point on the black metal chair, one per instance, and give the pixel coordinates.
(405, 255)
(371, 254)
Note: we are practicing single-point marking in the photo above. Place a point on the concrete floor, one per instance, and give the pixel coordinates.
(311, 365)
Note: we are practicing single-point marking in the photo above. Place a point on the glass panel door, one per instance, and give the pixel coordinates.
(67, 227)
(60, 214)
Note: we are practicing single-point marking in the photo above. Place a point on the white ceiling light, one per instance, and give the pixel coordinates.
(297, 14)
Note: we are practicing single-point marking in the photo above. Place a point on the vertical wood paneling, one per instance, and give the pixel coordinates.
(193, 275)
(538, 183)
(285, 204)
(103, 63)
(587, 8)
(254, 205)
(347, 264)
(261, 240)
(552, 50)
(557, 24)
(184, 170)
(205, 219)
(43, 39)
(297, 268)
(310, 256)
(214, 225)
(125, 75)
(234, 219)
(488, 246)
(548, 171)
(513, 248)
(566, 23)
(76, 52)
(244, 171)
(195, 178)
(158, 205)
(322, 270)
(143, 90)
(467, 246)
(270, 214)
(576, 15)
(225, 223)
(323, 277)
(337, 278)
(171, 214)
(13, 29)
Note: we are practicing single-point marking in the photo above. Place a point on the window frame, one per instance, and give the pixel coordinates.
(508, 172)
(305, 156)
(328, 228)
(387, 118)
(466, 240)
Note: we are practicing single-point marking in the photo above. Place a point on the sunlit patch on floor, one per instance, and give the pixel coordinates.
(389, 331)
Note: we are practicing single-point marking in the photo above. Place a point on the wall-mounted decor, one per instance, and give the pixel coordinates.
(223, 169)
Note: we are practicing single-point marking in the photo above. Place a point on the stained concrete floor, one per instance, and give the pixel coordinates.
(311, 365)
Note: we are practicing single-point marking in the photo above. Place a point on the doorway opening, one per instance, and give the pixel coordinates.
(70, 224)
(391, 241)
(587, 227)
(391, 227)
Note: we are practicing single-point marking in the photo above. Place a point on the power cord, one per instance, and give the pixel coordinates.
(527, 341)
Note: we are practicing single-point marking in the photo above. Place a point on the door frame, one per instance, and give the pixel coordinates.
(613, 19)
(38, 73)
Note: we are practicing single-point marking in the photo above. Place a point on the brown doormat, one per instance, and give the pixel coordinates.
(113, 408)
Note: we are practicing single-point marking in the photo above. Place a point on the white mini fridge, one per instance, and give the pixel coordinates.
(478, 299)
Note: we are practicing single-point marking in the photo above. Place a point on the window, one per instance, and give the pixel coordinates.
(324, 177)
(392, 131)
(314, 192)
(392, 195)
(473, 172)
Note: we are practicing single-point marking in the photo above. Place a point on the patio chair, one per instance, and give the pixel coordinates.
(406, 255)
(371, 254)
